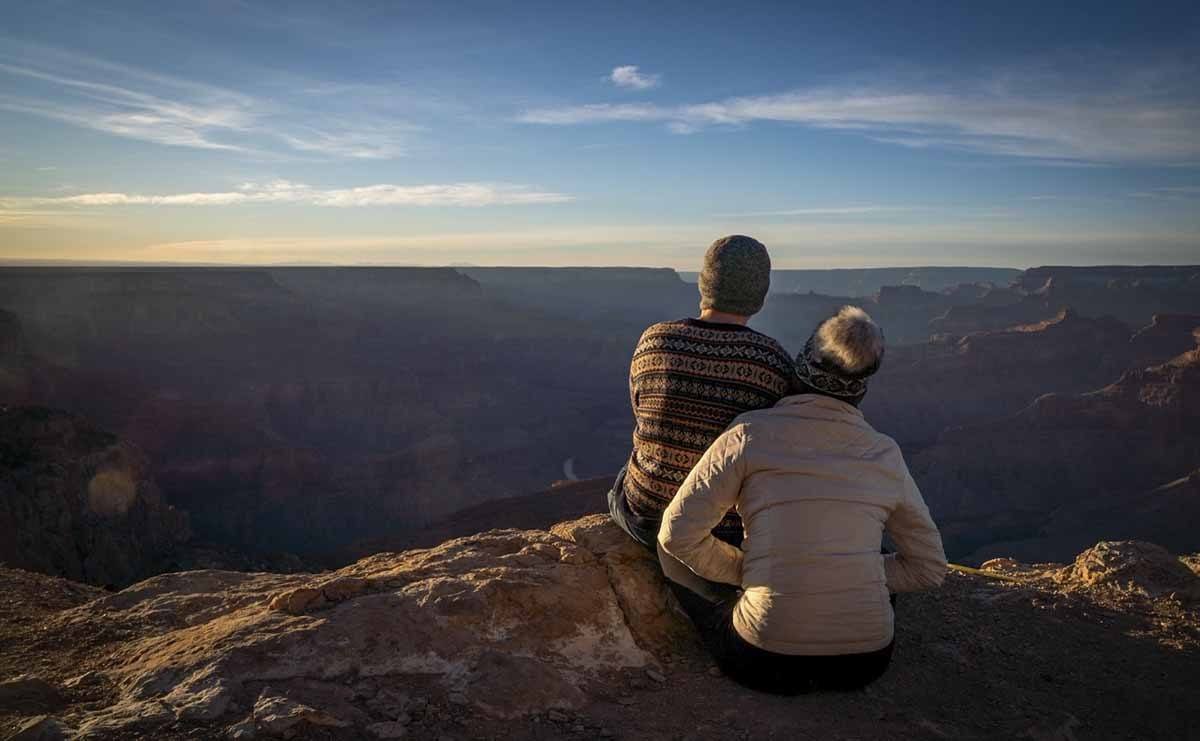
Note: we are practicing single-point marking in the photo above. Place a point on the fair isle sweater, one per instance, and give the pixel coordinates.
(688, 380)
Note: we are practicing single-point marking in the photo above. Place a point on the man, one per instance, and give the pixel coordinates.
(689, 378)
(805, 606)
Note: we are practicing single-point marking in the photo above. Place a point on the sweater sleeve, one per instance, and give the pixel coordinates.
(633, 379)
(920, 560)
(709, 491)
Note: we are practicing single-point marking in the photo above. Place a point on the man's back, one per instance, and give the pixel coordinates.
(688, 380)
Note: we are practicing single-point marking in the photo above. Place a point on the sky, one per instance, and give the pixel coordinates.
(840, 134)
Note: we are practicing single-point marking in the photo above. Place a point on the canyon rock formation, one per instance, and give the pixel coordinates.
(569, 633)
(77, 502)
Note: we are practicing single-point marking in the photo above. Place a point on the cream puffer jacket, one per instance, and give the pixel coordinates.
(815, 486)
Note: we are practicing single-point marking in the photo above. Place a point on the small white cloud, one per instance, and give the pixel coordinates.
(628, 76)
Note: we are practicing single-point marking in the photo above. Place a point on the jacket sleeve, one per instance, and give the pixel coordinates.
(709, 491)
(920, 562)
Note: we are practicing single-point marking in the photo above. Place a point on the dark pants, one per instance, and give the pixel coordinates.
(710, 607)
(644, 530)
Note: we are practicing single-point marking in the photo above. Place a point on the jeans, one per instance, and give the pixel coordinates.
(710, 607)
(644, 530)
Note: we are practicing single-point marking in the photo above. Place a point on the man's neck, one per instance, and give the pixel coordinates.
(720, 317)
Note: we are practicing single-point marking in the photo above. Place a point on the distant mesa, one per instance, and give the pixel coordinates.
(959, 381)
(860, 282)
(300, 414)
(1050, 471)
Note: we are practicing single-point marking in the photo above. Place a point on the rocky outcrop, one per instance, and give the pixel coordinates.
(504, 624)
(1109, 276)
(1002, 481)
(966, 318)
(1131, 569)
(77, 502)
(922, 390)
(1126, 579)
(1132, 294)
(908, 314)
(564, 633)
(1165, 514)
(1165, 337)
(859, 282)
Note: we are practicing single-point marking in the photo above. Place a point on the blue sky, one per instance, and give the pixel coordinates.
(841, 134)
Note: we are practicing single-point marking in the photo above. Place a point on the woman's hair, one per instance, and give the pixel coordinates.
(842, 353)
(849, 343)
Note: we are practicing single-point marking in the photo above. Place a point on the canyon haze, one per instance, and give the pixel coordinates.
(281, 418)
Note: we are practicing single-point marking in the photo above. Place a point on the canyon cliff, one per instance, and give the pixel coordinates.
(311, 410)
(569, 633)
(77, 502)
(1037, 473)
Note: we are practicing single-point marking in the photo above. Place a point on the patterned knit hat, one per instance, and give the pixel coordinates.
(736, 276)
(843, 352)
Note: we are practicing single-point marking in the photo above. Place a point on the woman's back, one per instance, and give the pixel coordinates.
(816, 487)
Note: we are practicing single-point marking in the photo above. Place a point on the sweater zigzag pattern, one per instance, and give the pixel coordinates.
(688, 380)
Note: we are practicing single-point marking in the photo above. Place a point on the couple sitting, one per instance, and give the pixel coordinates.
(765, 492)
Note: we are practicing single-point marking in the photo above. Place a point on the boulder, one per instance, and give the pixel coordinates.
(29, 694)
(504, 624)
(42, 728)
(1132, 567)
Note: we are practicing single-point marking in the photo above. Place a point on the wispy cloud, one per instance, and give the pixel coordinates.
(1170, 193)
(283, 191)
(39, 217)
(838, 211)
(135, 104)
(129, 112)
(599, 113)
(353, 141)
(1154, 118)
(631, 77)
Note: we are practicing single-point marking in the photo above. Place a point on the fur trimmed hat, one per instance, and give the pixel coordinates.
(843, 352)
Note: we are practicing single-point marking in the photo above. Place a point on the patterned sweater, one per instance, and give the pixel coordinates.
(687, 381)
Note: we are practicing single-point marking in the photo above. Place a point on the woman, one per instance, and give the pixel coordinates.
(804, 603)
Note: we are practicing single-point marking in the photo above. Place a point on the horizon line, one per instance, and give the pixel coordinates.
(68, 263)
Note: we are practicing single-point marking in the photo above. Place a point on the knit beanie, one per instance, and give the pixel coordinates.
(844, 351)
(736, 276)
